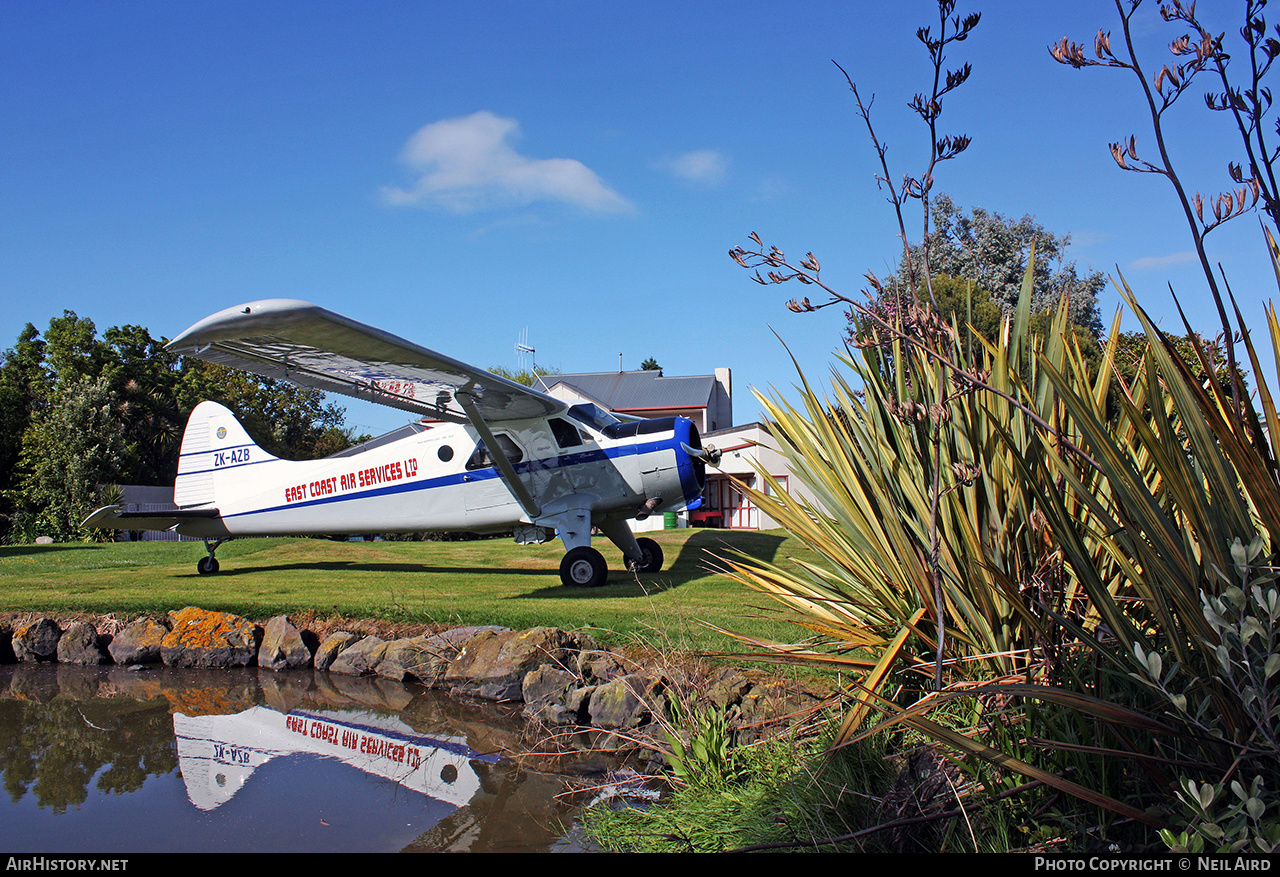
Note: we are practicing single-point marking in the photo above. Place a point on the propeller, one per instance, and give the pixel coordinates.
(709, 454)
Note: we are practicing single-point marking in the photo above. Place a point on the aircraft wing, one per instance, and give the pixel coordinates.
(313, 347)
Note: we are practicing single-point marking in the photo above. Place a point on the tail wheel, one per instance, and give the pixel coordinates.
(650, 556)
(207, 566)
(583, 567)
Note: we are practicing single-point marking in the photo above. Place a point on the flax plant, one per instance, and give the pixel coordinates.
(932, 552)
(1108, 563)
(1173, 532)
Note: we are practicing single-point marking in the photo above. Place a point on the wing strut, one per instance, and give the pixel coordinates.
(521, 493)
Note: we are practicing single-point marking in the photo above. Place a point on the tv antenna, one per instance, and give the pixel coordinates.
(524, 349)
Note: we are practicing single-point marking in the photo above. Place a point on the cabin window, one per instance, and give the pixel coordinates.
(567, 435)
(592, 416)
(445, 453)
(481, 459)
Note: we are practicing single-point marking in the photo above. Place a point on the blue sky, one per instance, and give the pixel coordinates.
(459, 173)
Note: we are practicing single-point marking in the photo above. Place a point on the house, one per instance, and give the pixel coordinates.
(707, 400)
(745, 451)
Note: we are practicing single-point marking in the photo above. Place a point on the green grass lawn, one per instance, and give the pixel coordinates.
(491, 581)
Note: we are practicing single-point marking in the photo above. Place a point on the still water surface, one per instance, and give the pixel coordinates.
(102, 760)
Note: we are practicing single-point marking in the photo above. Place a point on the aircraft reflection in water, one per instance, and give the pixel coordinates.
(218, 754)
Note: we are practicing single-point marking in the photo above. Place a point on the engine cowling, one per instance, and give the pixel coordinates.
(672, 462)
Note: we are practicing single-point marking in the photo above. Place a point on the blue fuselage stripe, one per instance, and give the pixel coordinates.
(547, 463)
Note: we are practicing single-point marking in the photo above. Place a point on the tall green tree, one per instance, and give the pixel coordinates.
(72, 350)
(992, 250)
(21, 384)
(70, 449)
(145, 377)
(962, 303)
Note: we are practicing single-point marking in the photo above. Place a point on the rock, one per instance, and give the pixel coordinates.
(360, 658)
(548, 683)
(138, 643)
(728, 688)
(283, 646)
(626, 702)
(200, 638)
(417, 657)
(427, 657)
(770, 702)
(37, 641)
(562, 678)
(547, 691)
(493, 665)
(333, 646)
(577, 700)
(550, 713)
(80, 644)
(454, 640)
(596, 666)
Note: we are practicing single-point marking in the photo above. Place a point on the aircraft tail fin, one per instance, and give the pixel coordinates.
(215, 450)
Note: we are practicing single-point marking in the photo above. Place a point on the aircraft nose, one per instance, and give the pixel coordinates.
(693, 460)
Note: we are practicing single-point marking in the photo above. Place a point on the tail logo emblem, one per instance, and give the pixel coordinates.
(222, 432)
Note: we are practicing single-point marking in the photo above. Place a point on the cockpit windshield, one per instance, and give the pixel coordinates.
(596, 418)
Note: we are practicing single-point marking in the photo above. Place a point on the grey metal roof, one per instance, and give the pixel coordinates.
(636, 390)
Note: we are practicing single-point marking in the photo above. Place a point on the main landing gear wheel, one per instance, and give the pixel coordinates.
(583, 567)
(650, 556)
(207, 566)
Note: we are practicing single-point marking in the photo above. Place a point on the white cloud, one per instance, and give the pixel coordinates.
(1149, 263)
(699, 166)
(468, 164)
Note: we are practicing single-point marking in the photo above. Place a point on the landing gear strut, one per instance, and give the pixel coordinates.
(208, 566)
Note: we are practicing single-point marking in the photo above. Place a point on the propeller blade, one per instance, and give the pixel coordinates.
(707, 455)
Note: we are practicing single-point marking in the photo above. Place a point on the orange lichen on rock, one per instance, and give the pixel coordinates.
(200, 638)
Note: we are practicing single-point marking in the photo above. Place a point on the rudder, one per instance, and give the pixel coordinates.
(213, 445)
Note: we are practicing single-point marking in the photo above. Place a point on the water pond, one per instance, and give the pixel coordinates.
(103, 760)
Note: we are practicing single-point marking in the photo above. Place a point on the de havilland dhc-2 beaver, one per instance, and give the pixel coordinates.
(494, 455)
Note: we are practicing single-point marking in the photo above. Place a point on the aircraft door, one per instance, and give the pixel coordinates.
(487, 496)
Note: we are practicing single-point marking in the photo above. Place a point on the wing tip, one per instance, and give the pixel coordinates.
(231, 320)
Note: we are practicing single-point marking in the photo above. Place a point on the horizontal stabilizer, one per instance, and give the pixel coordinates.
(112, 518)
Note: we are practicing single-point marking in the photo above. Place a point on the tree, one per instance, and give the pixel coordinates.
(72, 350)
(145, 377)
(69, 449)
(287, 421)
(1133, 348)
(650, 365)
(991, 250)
(21, 384)
(962, 303)
(528, 377)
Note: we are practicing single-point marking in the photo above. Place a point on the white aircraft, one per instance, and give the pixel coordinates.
(496, 455)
